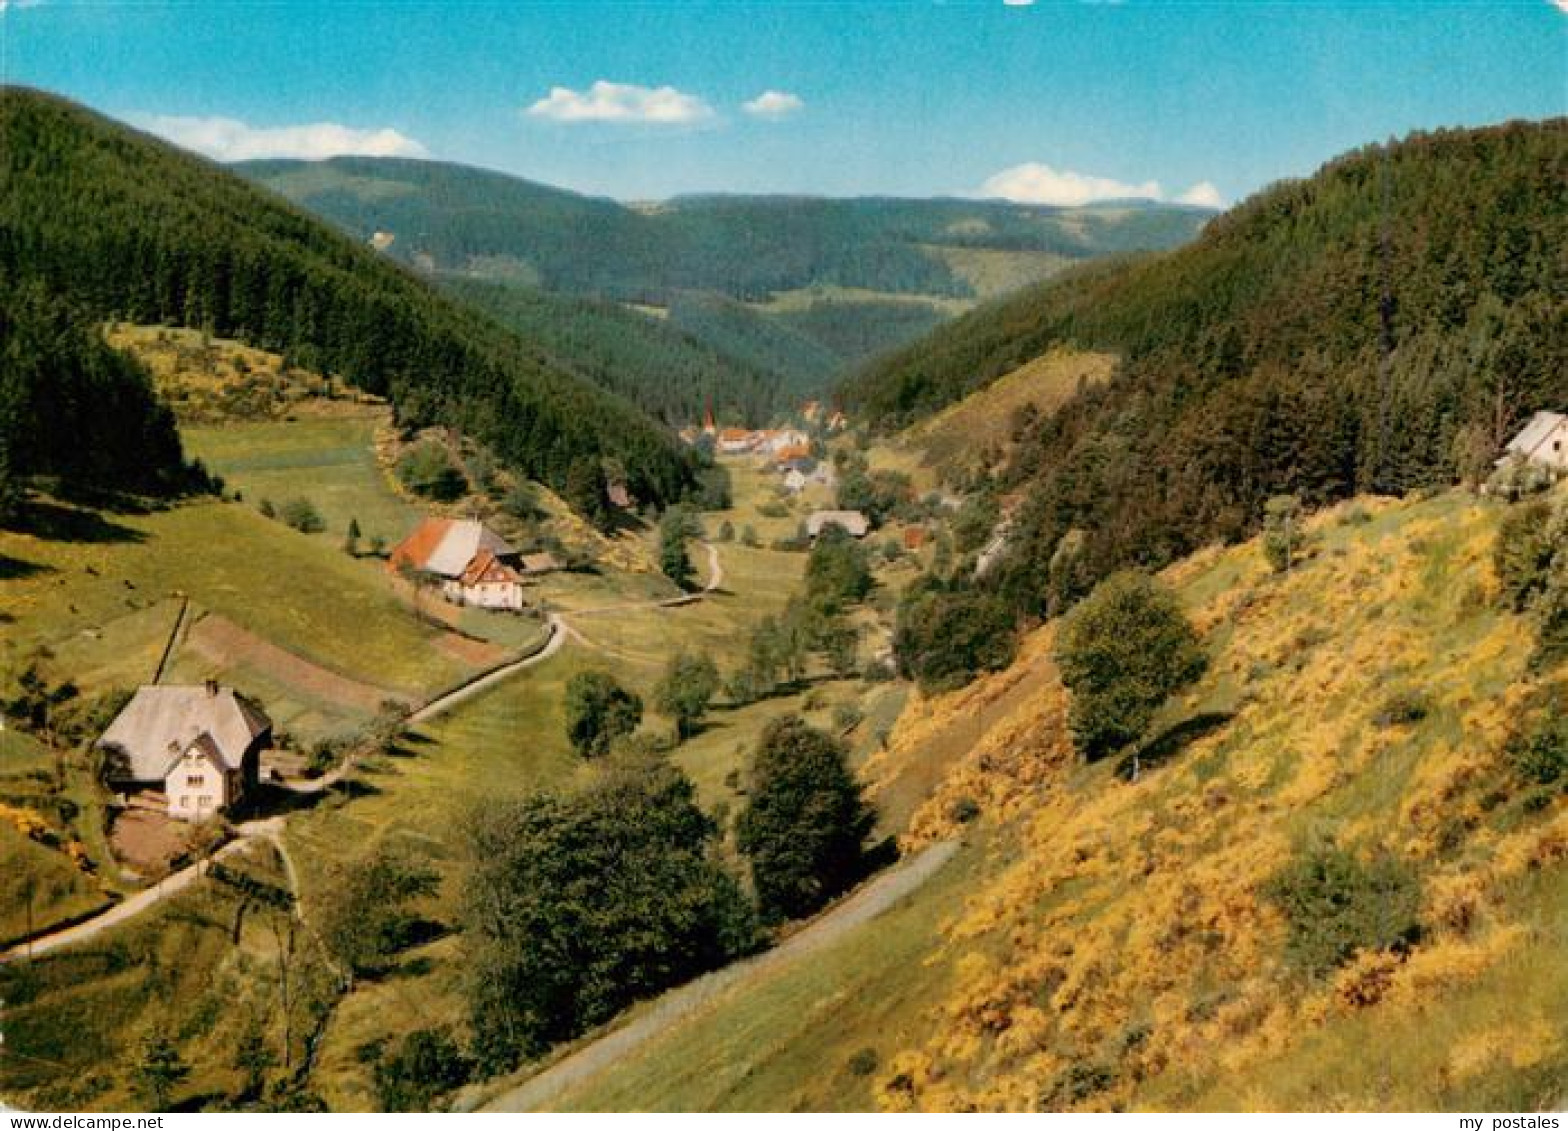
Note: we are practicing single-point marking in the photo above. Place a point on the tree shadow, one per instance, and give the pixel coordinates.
(15, 569)
(1172, 741)
(55, 522)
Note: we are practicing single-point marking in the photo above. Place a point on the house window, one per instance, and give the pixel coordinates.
(195, 780)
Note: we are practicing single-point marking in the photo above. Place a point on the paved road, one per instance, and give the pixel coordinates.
(269, 829)
(864, 905)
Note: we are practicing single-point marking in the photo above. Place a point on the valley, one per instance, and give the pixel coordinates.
(470, 645)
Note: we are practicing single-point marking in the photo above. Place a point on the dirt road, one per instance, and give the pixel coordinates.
(676, 1006)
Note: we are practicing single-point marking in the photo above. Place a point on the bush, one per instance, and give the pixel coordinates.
(427, 469)
(863, 1063)
(1122, 652)
(1540, 753)
(599, 711)
(674, 528)
(302, 515)
(1523, 552)
(367, 921)
(427, 1064)
(804, 821)
(1402, 708)
(1336, 905)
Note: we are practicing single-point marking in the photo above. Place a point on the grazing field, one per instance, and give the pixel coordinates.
(330, 461)
(297, 591)
(322, 653)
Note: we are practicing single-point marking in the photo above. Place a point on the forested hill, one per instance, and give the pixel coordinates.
(126, 227)
(746, 247)
(669, 372)
(1379, 326)
(794, 290)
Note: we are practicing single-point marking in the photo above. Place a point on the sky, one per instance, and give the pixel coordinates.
(1056, 101)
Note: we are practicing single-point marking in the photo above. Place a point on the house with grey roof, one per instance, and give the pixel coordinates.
(472, 563)
(200, 745)
(853, 523)
(1543, 442)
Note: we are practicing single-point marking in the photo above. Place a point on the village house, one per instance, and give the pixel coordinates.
(471, 562)
(777, 441)
(1543, 441)
(200, 746)
(791, 454)
(736, 441)
(853, 523)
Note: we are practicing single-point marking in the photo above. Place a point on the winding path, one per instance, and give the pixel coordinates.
(271, 829)
(128, 908)
(865, 904)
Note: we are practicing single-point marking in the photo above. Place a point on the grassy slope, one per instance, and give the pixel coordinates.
(983, 421)
(298, 591)
(74, 1021)
(1090, 909)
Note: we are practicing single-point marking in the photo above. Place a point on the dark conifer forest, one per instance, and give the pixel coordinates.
(1351, 332)
(120, 226)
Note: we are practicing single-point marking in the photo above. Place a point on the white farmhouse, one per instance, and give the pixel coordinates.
(1543, 441)
(200, 745)
(471, 562)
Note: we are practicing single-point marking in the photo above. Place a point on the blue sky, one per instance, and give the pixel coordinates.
(1058, 101)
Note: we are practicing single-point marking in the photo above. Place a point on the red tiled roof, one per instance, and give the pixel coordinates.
(487, 567)
(417, 548)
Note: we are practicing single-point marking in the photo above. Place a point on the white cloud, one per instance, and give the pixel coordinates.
(1018, 3)
(1036, 183)
(621, 102)
(1561, 6)
(1205, 195)
(773, 104)
(228, 139)
(7, 5)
